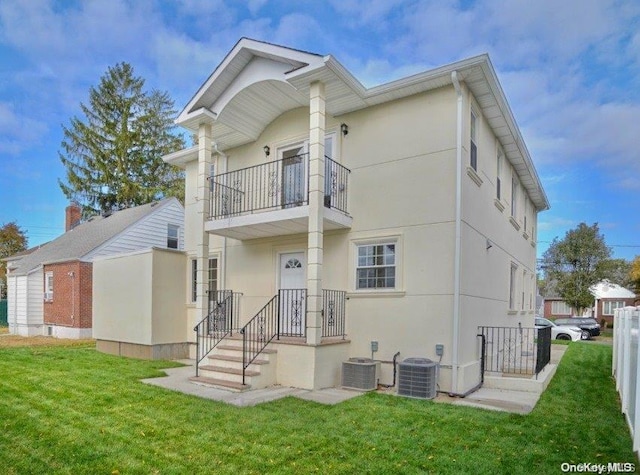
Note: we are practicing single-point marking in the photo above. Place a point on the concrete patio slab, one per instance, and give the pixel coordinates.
(507, 396)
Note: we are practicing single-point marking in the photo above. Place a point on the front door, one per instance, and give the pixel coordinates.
(293, 294)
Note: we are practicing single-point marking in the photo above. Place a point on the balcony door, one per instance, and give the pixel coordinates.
(294, 175)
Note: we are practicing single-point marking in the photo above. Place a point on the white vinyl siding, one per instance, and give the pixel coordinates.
(21, 299)
(151, 231)
(35, 291)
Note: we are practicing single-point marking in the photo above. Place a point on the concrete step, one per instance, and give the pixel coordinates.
(220, 383)
(235, 359)
(228, 370)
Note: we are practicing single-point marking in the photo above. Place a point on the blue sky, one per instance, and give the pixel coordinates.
(570, 70)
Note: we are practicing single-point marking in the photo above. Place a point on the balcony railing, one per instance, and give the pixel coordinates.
(275, 185)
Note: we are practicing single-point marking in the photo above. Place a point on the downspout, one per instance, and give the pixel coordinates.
(456, 261)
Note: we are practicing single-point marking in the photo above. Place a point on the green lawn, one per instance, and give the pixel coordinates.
(73, 410)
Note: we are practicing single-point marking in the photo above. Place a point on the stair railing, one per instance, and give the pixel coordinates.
(217, 324)
(259, 331)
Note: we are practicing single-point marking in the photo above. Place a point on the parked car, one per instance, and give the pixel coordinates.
(584, 323)
(562, 332)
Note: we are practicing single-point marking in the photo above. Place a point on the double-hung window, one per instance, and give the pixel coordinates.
(473, 146)
(172, 236)
(376, 266)
(498, 173)
(609, 306)
(48, 286)
(514, 196)
(512, 286)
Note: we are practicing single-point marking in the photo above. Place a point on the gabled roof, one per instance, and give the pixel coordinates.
(86, 237)
(608, 290)
(256, 82)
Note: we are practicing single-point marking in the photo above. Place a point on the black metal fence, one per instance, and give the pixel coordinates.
(274, 185)
(516, 350)
(223, 312)
(333, 313)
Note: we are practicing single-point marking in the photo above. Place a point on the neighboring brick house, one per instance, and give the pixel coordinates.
(556, 307)
(608, 297)
(50, 290)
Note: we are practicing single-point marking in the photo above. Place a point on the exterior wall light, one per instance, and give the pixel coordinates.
(344, 128)
(267, 150)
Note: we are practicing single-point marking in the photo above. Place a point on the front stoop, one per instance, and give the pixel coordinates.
(223, 368)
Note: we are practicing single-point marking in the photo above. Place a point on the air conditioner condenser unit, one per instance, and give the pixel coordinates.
(360, 374)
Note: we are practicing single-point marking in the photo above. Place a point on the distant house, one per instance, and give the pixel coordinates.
(608, 297)
(557, 307)
(50, 289)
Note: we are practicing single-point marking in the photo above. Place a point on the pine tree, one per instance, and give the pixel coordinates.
(12, 240)
(113, 154)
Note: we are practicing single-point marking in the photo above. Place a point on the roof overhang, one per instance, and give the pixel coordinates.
(256, 82)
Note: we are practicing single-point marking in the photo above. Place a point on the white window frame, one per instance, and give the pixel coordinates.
(396, 240)
(560, 307)
(193, 276)
(500, 157)
(473, 140)
(170, 238)
(608, 306)
(514, 196)
(48, 286)
(513, 278)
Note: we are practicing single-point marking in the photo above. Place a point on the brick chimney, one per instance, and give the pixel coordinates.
(73, 213)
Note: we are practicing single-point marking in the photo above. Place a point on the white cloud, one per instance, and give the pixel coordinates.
(18, 132)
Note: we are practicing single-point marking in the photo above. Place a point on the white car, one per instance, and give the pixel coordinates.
(562, 332)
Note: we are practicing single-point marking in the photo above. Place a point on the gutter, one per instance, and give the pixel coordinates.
(458, 233)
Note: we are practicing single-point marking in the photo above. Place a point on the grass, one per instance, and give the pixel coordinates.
(74, 410)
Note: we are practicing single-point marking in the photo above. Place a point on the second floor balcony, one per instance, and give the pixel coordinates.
(272, 199)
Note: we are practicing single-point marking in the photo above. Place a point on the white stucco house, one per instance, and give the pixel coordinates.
(50, 289)
(325, 220)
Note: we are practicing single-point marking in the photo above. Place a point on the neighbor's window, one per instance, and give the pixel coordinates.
(473, 145)
(512, 286)
(560, 307)
(609, 306)
(376, 267)
(172, 236)
(48, 286)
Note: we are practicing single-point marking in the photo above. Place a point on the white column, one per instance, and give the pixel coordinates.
(316, 212)
(202, 239)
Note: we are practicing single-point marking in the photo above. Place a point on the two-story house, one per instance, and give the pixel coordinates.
(325, 220)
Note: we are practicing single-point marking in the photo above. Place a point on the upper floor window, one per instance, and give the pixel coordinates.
(526, 209)
(172, 236)
(514, 196)
(376, 268)
(48, 286)
(473, 145)
(499, 173)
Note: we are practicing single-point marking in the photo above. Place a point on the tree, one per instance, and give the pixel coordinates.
(113, 155)
(634, 275)
(575, 263)
(12, 240)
